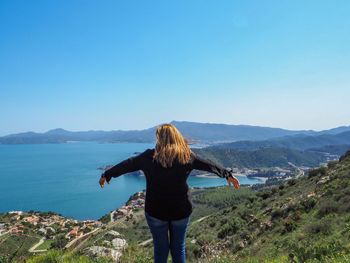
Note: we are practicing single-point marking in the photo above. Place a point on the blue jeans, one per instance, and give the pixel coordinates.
(168, 235)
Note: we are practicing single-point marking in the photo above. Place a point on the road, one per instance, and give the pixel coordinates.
(33, 248)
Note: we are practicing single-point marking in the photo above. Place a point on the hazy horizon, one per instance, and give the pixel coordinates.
(97, 129)
(131, 65)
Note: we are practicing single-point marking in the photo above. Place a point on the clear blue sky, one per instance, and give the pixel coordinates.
(109, 65)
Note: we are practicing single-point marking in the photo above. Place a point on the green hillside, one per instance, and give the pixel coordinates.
(264, 157)
(304, 219)
(298, 141)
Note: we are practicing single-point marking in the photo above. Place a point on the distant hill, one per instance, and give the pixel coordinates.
(264, 157)
(299, 142)
(209, 133)
(337, 149)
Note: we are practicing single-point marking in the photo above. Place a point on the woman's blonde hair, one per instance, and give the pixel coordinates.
(170, 146)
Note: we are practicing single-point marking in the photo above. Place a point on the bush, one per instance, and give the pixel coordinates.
(332, 164)
(4, 259)
(328, 207)
(281, 192)
(229, 228)
(212, 224)
(319, 227)
(289, 225)
(306, 252)
(59, 242)
(278, 213)
(204, 239)
(246, 236)
(308, 204)
(322, 171)
(194, 249)
(264, 194)
(291, 182)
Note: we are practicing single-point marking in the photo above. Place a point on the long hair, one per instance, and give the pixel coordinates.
(171, 146)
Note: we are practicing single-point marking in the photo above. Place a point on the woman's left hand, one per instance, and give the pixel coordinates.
(233, 180)
(102, 181)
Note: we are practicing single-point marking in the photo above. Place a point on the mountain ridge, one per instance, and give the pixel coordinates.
(298, 142)
(194, 131)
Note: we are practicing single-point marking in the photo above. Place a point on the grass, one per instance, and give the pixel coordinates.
(55, 256)
(46, 245)
(17, 246)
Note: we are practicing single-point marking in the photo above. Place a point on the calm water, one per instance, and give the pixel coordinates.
(64, 178)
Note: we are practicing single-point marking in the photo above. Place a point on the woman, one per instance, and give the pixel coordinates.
(168, 200)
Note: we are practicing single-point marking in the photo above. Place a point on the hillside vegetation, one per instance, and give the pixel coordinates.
(264, 157)
(298, 142)
(306, 219)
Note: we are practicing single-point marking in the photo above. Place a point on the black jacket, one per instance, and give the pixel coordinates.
(167, 194)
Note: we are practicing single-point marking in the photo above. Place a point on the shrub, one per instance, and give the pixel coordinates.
(318, 172)
(308, 204)
(319, 227)
(246, 213)
(328, 207)
(296, 216)
(306, 252)
(282, 192)
(59, 242)
(278, 213)
(223, 221)
(289, 225)
(264, 194)
(293, 207)
(229, 229)
(194, 249)
(247, 236)
(252, 199)
(291, 182)
(332, 164)
(3, 259)
(274, 190)
(204, 239)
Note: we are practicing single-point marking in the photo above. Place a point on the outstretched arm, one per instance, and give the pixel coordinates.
(209, 166)
(129, 165)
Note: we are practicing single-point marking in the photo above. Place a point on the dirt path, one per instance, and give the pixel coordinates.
(33, 248)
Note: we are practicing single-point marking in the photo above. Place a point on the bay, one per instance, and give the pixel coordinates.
(64, 178)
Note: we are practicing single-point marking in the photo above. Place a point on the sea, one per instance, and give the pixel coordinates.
(63, 178)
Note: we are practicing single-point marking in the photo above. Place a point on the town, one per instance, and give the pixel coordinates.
(41, 231)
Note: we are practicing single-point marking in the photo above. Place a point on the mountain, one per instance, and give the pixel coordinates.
(212, 132)
(263, 157)
(208, 133)
(299, 142)
(335, 130)
(62, 136)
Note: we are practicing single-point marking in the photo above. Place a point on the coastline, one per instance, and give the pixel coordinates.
(208, 175)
